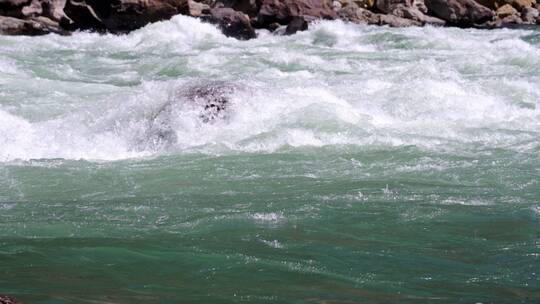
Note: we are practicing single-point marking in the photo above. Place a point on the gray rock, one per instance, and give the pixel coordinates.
(387, 6)
(530, 15)
(355, 14)
(363, 16)
(248, 7)
(15, 26)
(460, 12)
(33, 17)
(395, 21)
(412, 12)
(196, 9)
(282, 11)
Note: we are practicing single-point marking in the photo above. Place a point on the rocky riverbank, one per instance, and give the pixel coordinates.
(240, 18)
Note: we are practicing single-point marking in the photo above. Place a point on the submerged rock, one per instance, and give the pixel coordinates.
(214, 98)
(8, 300)
(211, 99)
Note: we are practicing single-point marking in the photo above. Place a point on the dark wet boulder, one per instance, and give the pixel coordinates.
(82, 17)
(297, 24)
(12, 8)
(283, 11)
(460, 12)
(8, 300)
(120, 16)
(232, 23)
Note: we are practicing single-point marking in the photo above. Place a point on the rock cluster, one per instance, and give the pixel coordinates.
(239, 18)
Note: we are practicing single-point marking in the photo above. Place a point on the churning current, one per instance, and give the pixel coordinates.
(351, 164)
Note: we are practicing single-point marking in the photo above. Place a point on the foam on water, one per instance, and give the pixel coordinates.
(91, 96)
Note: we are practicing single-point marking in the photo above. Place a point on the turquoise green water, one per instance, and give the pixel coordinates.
(355, 165)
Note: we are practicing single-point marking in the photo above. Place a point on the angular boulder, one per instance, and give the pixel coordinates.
(52, 9)
(232, 23)
(491, 4)
(15, 26)
(249, 7)
(505, 11)
(420, 5)
(414, 13)
(387, 6)
(282, 11)
(33, 17)
(460, 12)
(120, 16)
(355, 14)
(521, 4)
(364, 16)
(297, 24)
(196, 9)
(406, 9)
(395, 21)
(530, 15)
